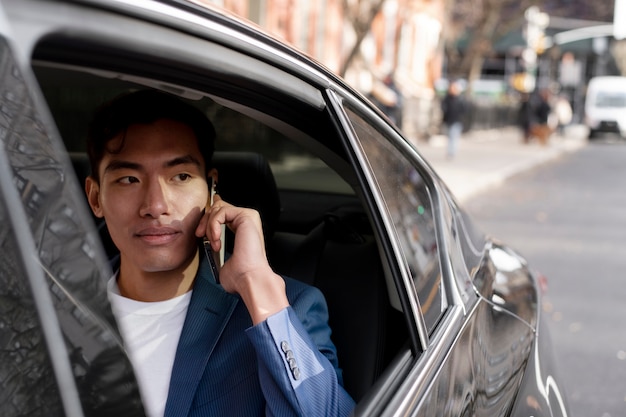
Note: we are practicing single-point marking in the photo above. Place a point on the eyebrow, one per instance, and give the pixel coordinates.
(116, 165)
(183, 160)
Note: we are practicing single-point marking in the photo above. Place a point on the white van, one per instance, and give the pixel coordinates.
(605, 105)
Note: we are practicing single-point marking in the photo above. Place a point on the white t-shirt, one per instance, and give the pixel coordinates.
(151, 332)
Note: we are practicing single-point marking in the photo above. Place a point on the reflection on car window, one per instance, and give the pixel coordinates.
(408, 202)
(27, 383)
(76, 276)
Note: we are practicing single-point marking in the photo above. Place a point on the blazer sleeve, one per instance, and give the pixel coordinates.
(297, 361)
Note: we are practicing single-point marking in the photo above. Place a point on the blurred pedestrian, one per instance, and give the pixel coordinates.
(524, 117)
(563, 112)
(541, 128)
(453, 107)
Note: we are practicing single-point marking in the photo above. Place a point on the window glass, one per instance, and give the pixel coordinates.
(409, 205)
(27, 382)
(65, 247)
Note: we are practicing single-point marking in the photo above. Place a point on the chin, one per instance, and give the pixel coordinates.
(164, 264)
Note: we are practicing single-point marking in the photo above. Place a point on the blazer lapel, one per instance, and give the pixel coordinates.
(209, 310)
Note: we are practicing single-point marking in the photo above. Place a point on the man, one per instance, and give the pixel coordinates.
(563, 112)
(541, 126)
(524, 117)
(238, 347)
(453, 108)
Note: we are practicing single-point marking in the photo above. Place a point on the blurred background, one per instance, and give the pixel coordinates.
(403, 53)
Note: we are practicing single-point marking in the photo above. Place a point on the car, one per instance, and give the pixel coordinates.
(605, 103)
(429, 315)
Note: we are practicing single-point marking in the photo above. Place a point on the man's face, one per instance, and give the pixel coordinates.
(152, 195)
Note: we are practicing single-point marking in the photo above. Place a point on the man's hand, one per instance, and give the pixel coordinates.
(247, 271)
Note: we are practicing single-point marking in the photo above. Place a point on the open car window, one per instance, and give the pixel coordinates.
(318, 231)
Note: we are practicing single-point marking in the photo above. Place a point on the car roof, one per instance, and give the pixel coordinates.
(219, 26)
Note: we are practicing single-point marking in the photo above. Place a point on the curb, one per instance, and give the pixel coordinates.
(488, 158)
(497, 178)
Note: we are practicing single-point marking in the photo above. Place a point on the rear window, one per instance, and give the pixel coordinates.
(610, 99)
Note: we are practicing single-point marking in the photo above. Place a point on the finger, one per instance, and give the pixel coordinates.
(204, 229)
(214, 227)
(202, 223)
(216, 198)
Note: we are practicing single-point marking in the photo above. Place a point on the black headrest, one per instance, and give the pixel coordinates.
(82, 167)
(246, 180)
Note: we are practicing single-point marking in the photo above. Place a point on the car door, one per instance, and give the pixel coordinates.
(60, 351)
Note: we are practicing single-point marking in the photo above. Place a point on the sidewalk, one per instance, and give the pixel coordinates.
(486, 158)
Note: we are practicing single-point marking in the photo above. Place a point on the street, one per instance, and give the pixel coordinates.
(568, 218)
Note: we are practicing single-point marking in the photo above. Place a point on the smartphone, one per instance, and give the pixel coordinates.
(216, 260)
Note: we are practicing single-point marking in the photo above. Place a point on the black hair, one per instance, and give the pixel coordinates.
(144, 107)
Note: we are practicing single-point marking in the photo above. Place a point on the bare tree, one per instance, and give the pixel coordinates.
(618, 51)
(478, 24)
(482, 22)
(360, 13)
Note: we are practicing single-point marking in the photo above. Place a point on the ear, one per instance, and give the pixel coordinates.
(92, 189)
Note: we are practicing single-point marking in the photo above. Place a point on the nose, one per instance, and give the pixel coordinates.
(155, 201)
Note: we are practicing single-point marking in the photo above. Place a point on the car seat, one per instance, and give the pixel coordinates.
(245, 179)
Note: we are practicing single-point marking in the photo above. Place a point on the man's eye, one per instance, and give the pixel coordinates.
(128, 180)
(182, 177)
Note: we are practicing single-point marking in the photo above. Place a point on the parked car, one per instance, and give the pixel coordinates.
(430, 317)
(605, 105)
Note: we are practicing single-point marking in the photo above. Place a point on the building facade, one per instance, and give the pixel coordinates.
(404, 43)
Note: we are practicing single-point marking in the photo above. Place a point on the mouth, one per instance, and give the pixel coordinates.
(158, 235)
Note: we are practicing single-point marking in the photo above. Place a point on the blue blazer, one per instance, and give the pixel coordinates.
(285, 366)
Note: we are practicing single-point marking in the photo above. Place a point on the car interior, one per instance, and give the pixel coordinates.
(290, 166)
